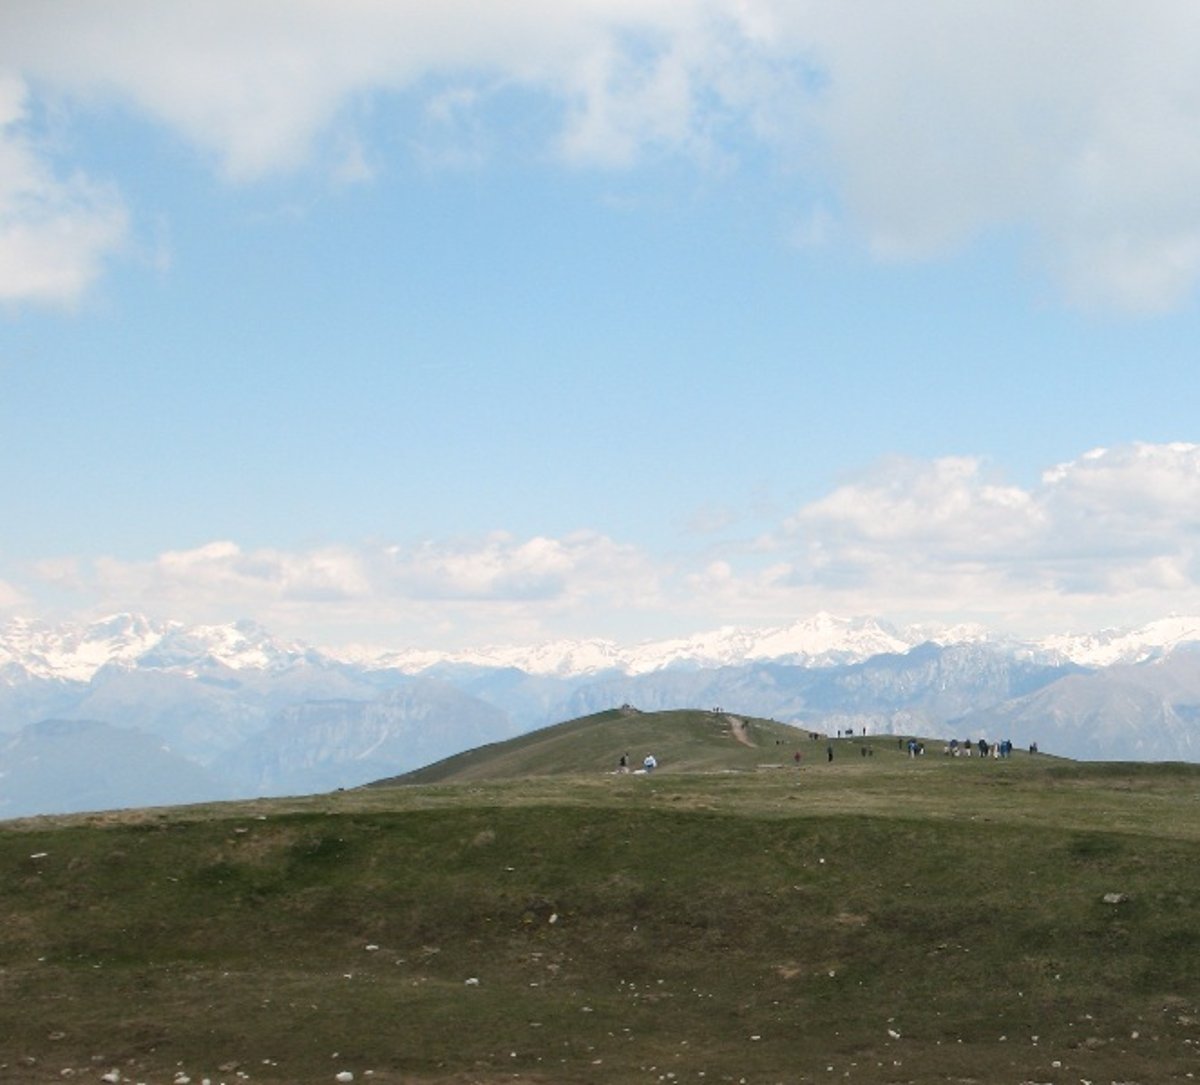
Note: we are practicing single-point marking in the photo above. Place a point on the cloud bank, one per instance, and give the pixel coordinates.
(1074, 127)
(55, 231)
(1110, 538)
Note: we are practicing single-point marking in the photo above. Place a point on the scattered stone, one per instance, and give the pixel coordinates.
(112, 1077)
(344, 1076)
(472, 982)
(1116, 898)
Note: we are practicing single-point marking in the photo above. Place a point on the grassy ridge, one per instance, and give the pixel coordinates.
(684, 741)
(896, 920)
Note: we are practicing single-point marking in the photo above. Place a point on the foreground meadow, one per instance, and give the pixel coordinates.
(873, 919)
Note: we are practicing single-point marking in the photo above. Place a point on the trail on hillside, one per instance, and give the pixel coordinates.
(737, 728)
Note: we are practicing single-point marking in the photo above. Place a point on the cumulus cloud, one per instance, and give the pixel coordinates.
(1111, 537)
(11, 597)
(1113, 532)
(1072, 125)
(501, 567)
(55, 232)
(430, 591)
(206, 578)
(1075, 123)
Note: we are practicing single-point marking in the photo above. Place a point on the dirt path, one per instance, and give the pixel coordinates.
(737, 728)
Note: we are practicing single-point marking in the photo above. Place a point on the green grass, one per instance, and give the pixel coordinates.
(742, 922)
(684, 741)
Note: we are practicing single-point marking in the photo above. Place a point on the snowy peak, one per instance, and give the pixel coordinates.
(1111, 646)
(821, 640)
(74, 653)
(817, 641)
(563, 657)
(825, 639)
(240, 646)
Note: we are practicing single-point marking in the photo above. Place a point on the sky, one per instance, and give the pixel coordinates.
(450, 324)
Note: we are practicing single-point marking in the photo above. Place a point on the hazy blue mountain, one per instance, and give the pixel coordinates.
(322, 745)
(65, 766)
(1147, 711)
(896, 693)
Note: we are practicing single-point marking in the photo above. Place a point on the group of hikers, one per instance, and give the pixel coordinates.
(954, 748)
(916, 748)
(649, 763)
(964, 748)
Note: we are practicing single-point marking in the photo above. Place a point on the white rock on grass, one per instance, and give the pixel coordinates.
(344, 1076)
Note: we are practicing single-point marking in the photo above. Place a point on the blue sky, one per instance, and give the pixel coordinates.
(452, 324)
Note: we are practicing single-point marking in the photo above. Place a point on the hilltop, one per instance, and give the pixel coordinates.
(879, 919)
(684, 740)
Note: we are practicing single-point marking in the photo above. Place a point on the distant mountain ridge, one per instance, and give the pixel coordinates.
(72, 652)
(256, 714)
(75, 652)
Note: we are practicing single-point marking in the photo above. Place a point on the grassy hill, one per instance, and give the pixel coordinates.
(875, 919)
(681, 741)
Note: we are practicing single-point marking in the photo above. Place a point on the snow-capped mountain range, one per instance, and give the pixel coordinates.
(78, 652)
(218, 711)
(820, 641)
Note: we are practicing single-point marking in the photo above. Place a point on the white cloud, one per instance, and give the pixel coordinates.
(1075, 125)
(11, 597)
(55, 232)
(948, 506)
(1109, 538)
(208, 577)
(1114, 532)
(447, 590)
(503, 568)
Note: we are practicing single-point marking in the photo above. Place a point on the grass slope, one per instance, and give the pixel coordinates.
(683, 741)
(873, 919)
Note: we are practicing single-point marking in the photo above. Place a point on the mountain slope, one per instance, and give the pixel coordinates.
(1146, 711)
(686, 740)
(61, 766)
(322, 745)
